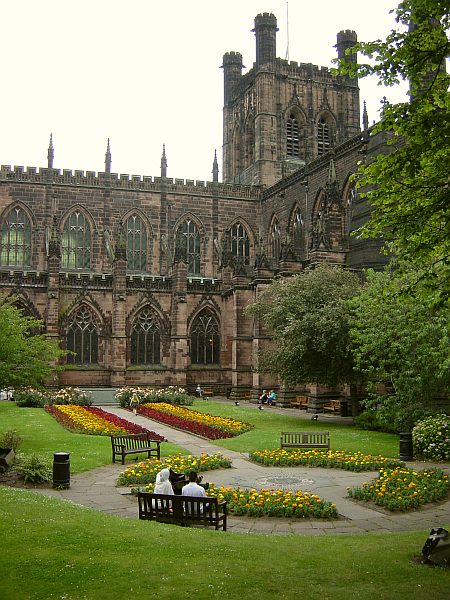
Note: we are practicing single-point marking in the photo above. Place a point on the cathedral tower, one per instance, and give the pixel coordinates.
(281, 115)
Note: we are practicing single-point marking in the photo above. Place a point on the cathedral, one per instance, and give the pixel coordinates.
(145, 280)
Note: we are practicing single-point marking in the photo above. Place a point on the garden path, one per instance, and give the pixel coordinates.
(97, 489)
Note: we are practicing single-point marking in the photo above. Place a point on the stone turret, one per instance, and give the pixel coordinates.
(164, 162)
(266, 38)
(232, 72)
(346, 39)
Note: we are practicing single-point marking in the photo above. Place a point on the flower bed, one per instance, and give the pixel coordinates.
(208, 426)
(145, 472)
(273, 503)
(431, 437)
(403, 489)
(94, 421)
(338, 459)
(172, 394)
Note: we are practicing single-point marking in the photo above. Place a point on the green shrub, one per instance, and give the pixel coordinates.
(431, 437)
(11, 439)
(171, 395)
(30, 397)
(386, 413)
(34, 468)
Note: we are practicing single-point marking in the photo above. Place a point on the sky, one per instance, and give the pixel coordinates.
(146, 73)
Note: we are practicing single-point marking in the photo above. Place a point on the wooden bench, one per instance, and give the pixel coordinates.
(207, 391)
(333, 406)
(305, 439)
(134, 444)
(300, 402)
(183, 510)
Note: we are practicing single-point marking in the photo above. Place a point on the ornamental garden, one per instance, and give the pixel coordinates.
(396, 488)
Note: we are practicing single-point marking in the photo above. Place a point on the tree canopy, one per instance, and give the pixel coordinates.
(309, 320)
(408, 187)
(27, 358)
(405, 343)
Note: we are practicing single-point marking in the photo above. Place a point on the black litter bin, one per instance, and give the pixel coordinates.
(61, 470)
(406, 446)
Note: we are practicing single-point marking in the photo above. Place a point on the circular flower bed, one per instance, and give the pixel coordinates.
(338, 459)
(403, 489)
(431, 437)
(145, 472)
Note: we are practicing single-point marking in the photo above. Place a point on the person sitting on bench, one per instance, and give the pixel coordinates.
(163, 485)
(193, 488)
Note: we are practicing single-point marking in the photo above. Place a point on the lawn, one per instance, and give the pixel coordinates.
(43, 434)
(268, 425)
(55, 549)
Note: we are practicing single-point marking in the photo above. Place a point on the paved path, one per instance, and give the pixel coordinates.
(97, 489)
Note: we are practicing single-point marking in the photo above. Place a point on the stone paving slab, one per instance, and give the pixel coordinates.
(97, 489)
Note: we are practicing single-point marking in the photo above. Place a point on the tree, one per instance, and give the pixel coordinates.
(309, 320)
(408, 186)
(27, 358)
(405, 343)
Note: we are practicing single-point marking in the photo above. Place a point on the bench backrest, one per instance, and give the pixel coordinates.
(136, 440)
(174, 507)
(312, 438)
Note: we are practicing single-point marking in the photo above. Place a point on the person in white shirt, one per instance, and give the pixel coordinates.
(192, 488)
(163, 485)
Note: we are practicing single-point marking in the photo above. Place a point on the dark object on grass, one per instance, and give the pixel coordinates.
(432, 555)
(315, 418)
(260, 407)
(237, 403)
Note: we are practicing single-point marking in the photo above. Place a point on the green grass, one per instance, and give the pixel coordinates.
(54, 549)
(43, 434)
(268, 425)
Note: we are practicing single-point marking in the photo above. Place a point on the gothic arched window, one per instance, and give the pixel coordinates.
(145, 339)
(188, 242)
(136, 244)
(82, 339)
(16, 239)
(292, 137)
(275, 240)
(323, 137)
(205, 340)
(76, 242)
(240, 244)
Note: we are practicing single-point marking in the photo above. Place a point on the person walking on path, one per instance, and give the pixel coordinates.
(134, 403)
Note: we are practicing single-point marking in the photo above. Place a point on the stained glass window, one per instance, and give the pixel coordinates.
(82, 339)
(205, 340)
(76, 242)
(16, 239)
(145, 339)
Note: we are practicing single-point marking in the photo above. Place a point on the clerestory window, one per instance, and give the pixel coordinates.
(292, 137)
(136, 244)
(16, 239)
(76, 242)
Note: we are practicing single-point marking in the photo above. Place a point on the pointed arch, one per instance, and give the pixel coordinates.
(295, 139)
(16, 236)
(138, 240)
(145, 337)
(274, 239)
(204, 336)
(325, 132)
(77, 228)
(241, 239)
(188, 234)
(82, 336)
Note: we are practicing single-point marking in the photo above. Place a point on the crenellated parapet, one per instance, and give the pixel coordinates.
(125, 182)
